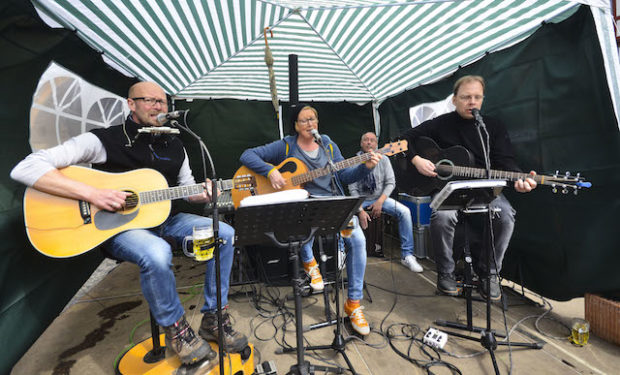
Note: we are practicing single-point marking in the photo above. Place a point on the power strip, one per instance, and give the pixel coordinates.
(435, 338)
(266, 368)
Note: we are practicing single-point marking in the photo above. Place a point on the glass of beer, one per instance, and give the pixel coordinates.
(348, 230)
(580, 331)
(203, 244)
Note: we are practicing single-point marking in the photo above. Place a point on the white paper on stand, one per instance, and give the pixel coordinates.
(291, 195)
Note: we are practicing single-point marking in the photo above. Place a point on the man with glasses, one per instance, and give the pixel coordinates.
(377, 187)
(122, 148)
(458, 128)
(302, 146)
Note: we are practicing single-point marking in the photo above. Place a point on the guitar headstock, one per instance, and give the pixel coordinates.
(393, 148)
(244, 182)
(565, 182)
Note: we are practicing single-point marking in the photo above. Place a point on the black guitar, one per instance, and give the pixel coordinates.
(454, 163)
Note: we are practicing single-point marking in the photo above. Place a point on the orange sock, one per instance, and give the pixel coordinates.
(310, 264)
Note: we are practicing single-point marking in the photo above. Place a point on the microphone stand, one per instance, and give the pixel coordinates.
(215, 219)
(330, 163)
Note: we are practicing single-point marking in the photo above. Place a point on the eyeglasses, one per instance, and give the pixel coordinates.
(467, 98)
(312, 120)
(152, 101)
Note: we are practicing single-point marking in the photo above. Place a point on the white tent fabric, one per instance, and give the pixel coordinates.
(352, 50)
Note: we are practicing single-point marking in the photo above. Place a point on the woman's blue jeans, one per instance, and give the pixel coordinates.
(148, 249)
(356, 259)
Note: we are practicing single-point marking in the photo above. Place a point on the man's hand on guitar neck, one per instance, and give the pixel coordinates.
(206, 195)
(424, 166)
(374, 160)
(527, 185)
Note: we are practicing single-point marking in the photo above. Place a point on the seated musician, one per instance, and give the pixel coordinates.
(302, 146)
(122, 148)
(458, 128)
(377, 187)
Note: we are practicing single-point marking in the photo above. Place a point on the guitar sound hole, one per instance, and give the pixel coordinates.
(444, 169)
(131, 201)
(288, 167)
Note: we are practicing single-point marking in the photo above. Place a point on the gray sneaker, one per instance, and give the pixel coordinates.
(182, 341)
(496, 290)
(446, 284)
(234, 342)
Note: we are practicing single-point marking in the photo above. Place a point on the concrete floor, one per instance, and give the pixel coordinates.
(89, 336)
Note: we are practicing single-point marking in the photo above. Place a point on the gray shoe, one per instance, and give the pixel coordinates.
(446, 283)
(182, 341)
(496, 291)
(234, 342)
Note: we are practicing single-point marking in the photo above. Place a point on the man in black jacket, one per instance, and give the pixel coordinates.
(459, 128)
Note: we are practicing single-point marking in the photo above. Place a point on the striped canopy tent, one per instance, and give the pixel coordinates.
(352, 50)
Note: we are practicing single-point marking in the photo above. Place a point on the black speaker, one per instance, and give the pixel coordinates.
(270, 264)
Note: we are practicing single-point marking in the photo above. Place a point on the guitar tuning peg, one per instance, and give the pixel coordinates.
(575, 191)
(564, 190)
(557, 172)
(554, 189)
(567, 174)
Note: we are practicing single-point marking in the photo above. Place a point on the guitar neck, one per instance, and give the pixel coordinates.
(179, 192)
(309, 176)
(497, 174)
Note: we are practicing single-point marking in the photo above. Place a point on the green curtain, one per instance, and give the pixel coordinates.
(33, 287)
(228, 127)
(551, 92)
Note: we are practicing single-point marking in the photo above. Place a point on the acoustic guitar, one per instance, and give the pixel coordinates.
(454, 163)
(296, 173)
(61, 227)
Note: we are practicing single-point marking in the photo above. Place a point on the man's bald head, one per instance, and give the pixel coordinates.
(146, 100)
(369, 142)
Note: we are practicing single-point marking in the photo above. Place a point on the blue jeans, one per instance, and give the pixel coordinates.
(443, 226)
(405, 224)
(147, 249)
(356, 259)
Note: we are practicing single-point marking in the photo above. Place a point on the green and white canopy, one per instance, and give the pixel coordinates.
(354, 50)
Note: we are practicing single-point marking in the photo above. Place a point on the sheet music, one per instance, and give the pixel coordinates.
(292, 195)
(453, 186)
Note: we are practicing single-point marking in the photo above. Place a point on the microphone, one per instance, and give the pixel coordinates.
(477, 116)
(158, 130)
(317, 136)
(162, 118)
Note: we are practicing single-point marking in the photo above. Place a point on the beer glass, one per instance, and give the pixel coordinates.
(203, 244)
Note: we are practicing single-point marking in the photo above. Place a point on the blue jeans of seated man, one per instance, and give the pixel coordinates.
(147, 249)
(443, 225)
(356, 259)
(405, 224)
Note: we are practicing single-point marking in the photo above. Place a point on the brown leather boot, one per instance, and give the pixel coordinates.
(182, 341)
(234, 342)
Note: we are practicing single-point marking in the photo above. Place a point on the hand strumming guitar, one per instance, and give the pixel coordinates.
(424, 166)
(277, 181)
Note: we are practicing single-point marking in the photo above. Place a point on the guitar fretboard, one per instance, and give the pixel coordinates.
(309, 176)
(179, 192)
(170, 193)
(495, 174)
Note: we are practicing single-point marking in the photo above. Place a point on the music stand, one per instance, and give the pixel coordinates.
(291, 225)
(472, 197)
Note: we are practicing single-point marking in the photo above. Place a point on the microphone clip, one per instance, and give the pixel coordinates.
(478, 118)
